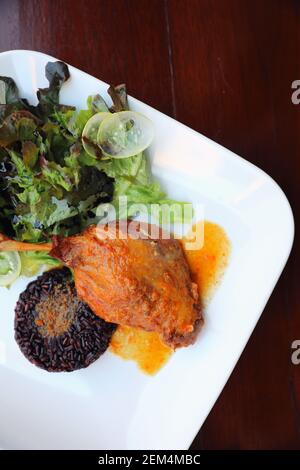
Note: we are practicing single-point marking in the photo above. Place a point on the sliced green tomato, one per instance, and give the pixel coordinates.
(125, 134)
(89, 134)
(10, 267)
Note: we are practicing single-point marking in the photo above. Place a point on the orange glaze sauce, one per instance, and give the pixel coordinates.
(143, 347)
(208, 263)
(207, 266)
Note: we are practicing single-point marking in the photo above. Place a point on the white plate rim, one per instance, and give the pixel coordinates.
(230, 154)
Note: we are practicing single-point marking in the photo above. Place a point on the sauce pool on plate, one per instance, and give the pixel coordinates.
(143, 347)
(207, 265)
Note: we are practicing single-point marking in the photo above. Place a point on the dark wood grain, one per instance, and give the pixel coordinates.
(225, 68)
(105, 38)
(234, 63)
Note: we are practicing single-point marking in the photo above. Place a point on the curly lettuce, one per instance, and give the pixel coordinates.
(49, 184)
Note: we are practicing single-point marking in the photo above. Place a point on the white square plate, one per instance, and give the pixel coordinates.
(111, 405)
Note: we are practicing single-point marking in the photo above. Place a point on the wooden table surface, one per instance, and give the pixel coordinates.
(224, 68)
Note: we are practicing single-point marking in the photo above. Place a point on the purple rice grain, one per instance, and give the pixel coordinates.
(85, 339)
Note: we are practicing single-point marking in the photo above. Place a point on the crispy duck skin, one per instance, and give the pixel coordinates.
(143, 282)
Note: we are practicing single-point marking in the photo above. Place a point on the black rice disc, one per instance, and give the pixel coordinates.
(54, 329)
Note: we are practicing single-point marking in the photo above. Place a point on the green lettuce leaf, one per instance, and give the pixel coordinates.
(96, 104)
(9, 93)
(30, 153)
(58, 176)
(9, 98)
(78, 120)
(33, 261)
(133, 179)
(57, 73)
(74, 121)
(17, 126)
(118, 95)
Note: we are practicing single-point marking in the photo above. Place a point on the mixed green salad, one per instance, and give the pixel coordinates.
(58, 164)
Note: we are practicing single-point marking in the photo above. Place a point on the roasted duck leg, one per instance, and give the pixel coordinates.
(141, 282)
